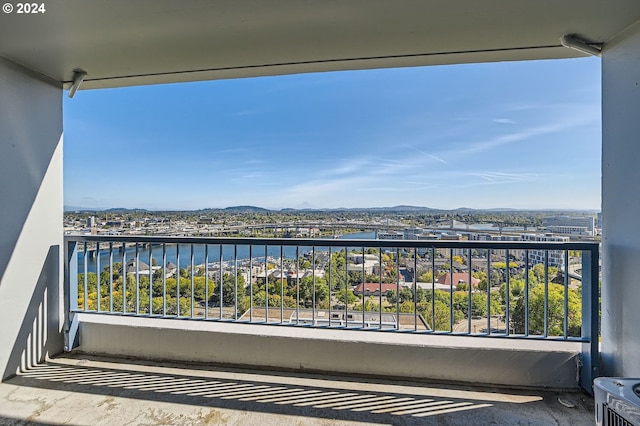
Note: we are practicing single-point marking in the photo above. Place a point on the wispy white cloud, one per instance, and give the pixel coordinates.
(503, 121)
(502, 177)
(253, 176)
(428, 155)
(348, 166)
(563, 124)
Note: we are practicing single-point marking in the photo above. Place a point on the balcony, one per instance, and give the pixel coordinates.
(289, 304)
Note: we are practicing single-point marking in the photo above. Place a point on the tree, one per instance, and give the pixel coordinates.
(391, 296)
(442, 315)
(228, 290)
(346, 296)
(306, 286)
(336, 272)
(369, 306)
(555, 306)
(426, 277)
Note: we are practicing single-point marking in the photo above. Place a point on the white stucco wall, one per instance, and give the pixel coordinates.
(621, 205)
(31, 208)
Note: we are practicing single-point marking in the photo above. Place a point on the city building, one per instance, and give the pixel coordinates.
(569, 222)
(555, 257)
(390, 235)
(373, 289)
(570, 230)
(457, 278)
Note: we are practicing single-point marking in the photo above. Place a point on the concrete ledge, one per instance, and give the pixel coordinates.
(493, 361)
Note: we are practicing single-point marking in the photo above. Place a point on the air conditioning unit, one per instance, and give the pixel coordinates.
(617, 401)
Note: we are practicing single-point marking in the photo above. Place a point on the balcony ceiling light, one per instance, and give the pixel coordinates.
(573, 42)
(78, 78)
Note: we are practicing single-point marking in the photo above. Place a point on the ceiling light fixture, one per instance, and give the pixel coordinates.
(573, 42)
(78, 78)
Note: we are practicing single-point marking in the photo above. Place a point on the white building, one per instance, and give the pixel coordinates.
(556, 257)
(570, 230)
(390, 235)
(588, 222)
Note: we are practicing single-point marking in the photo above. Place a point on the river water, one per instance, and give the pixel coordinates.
(213, 255)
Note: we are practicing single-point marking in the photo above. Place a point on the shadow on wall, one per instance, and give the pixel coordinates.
(39, 335)
(26, 147)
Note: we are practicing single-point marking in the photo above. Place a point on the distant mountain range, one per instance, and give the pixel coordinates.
(394, 209)
(111, 210)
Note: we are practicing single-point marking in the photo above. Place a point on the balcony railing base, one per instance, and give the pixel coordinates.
(517, 363)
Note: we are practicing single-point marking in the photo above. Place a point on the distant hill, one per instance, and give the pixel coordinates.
(80, 209)
(246, 209)
(307, 208)
(124, 210)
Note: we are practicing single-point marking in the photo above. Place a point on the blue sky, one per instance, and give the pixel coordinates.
(512, 134)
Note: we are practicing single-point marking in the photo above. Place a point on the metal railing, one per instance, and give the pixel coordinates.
(532, 290)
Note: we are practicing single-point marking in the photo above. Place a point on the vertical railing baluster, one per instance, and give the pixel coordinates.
(380, 288)
(282, 284)
(297, 285)
(433, 289)
(566, 294)
(546, 293)
(526, 292)
(363, 289)
(235, 280)
(85, 305)
(313, 284)
(488, 291)
(177, 280)
(192, 264)
(330, 287)
(507, 293)
(164, 279)
(98, 276)
(415, 289)
(206, 281)
(397, 289)
(266, 284)
(124, 278)
(250, 283)
(346, 289)
(150, 279)
(451, 310)
(469, 289)
(137, 280)
(111, 277)
(220, 281)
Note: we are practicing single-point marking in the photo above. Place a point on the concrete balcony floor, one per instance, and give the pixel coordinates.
(77, 389)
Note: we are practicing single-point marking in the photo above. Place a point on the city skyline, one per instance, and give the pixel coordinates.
(522, 135)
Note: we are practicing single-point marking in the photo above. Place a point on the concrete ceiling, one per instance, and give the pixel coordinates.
(131, 42)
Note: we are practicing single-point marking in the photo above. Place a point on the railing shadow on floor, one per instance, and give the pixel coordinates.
(311, 396)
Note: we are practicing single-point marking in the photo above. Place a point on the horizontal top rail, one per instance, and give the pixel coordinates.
(325, 242)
